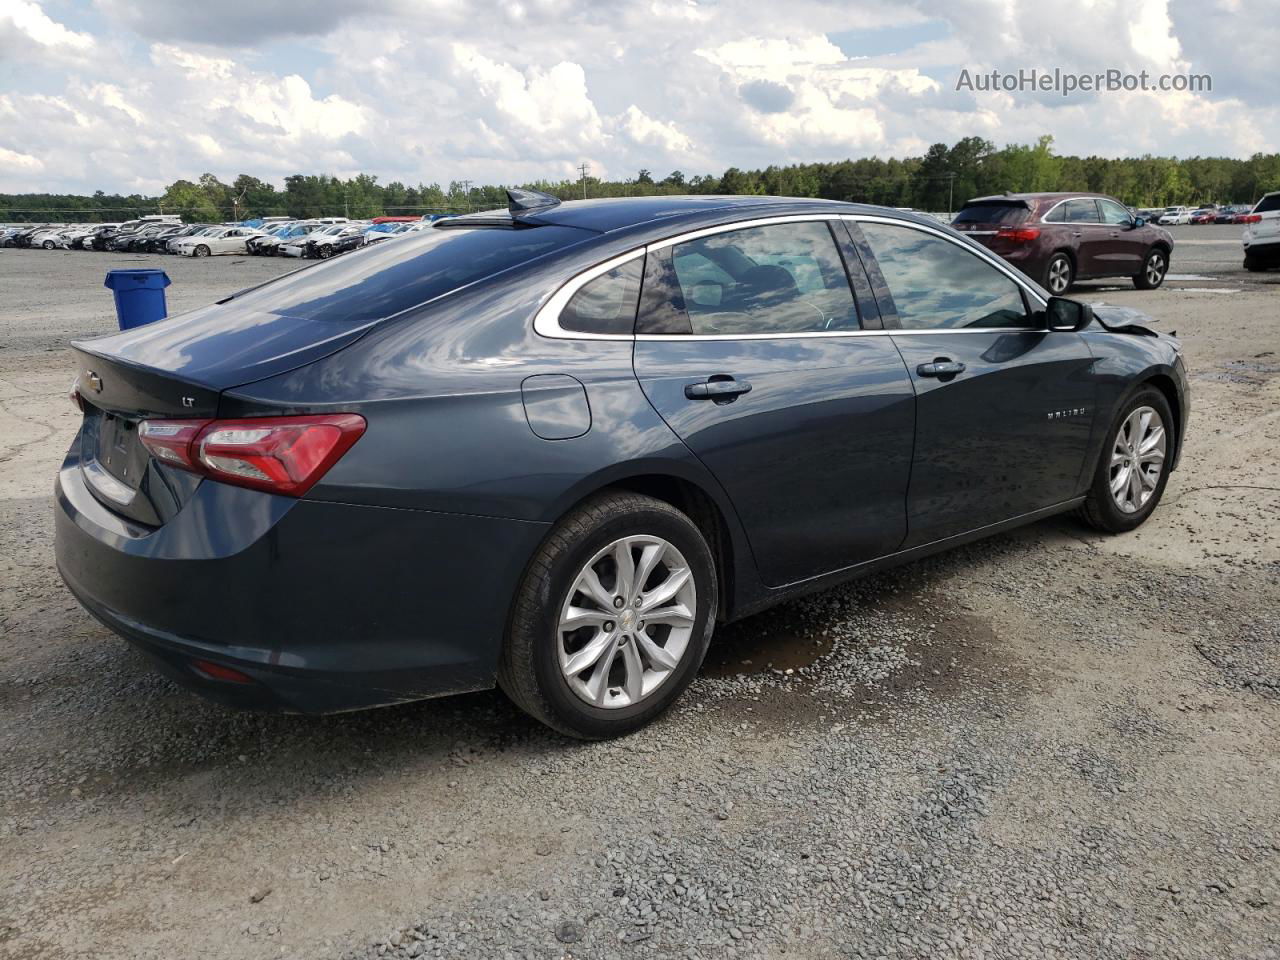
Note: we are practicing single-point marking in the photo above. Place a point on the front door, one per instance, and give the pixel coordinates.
(749, 345)
(1003, 407)
(1123, 248)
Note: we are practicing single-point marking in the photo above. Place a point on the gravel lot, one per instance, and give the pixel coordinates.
(1052, 743)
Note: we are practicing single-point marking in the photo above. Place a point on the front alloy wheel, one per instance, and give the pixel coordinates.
(1153, 270)
(626, 622)
(1137, 459)
(1132, 470)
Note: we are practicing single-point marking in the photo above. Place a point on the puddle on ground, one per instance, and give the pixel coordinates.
(1206, 289)
(765, 642)
(1188, 276)
(1250, 372)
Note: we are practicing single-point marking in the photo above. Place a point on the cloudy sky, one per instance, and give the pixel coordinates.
(130, 95)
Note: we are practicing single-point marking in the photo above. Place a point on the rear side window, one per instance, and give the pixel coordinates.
(606, 304)
(998, 214)
(1268, 203)
(775, 279)
(1074, 211)
(385, 278)
(937, 284)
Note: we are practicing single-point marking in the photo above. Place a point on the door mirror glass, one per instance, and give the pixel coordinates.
(1139, 222)
(1062, 314)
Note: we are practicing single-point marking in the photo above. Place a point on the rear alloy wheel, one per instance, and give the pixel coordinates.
(48, 244)
(1058, 274)
(612, 619)
(201, 251)
(1133, 468)
(1153, 270)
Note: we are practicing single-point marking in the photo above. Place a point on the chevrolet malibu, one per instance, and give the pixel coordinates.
(551, 447)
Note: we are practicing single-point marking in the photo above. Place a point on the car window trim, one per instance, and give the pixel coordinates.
(1079, 223)
(546, 321)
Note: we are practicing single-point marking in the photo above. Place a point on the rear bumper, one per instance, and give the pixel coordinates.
(324, 606)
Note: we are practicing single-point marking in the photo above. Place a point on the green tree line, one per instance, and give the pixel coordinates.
(942, 179)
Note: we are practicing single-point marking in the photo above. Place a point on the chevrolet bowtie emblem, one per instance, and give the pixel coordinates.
(95, 381)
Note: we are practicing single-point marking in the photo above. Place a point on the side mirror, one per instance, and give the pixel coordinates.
(1139, 222)
(1061, 314)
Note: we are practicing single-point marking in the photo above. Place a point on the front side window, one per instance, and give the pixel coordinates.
(937, 284)
(1113, 213)
(607, 303)
(776, 279)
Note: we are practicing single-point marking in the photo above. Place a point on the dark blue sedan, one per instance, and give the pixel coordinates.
(550, 447)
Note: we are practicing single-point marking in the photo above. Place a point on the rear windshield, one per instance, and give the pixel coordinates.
(386, 278)
(1268, 203)
(998, 212)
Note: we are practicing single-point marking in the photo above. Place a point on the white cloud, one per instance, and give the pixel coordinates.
(32, 24)
(434, 90)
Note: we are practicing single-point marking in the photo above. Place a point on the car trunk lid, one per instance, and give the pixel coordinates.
(177, 369)
(984, 221)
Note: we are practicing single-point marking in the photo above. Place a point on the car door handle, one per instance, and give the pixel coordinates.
(721, 390)
(941, 367)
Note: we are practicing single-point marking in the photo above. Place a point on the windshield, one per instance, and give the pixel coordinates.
(386, 278)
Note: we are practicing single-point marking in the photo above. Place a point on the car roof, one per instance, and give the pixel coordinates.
(1041, 197)
(622, 213)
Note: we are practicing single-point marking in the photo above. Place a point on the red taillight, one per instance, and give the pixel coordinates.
(285, 455)
(216, 671)
(1251, 218)
(1018, 234)
(76, 398)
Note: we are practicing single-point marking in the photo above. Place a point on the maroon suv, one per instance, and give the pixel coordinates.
(1059, 238)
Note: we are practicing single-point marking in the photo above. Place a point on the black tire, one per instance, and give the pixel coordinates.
(1059, 274)
(201, 251)
(48, 244)
(1100, 509)
(529, 671)
(1253, 264)
(1156, 263)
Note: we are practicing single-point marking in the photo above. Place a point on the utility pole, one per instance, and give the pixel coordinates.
(582, 170)
(951, 192)
(235, 205)
(466, 192)
(346, 207)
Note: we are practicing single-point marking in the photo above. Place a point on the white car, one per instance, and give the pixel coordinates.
(1261, 237)
(215, 241)
(1175, 215)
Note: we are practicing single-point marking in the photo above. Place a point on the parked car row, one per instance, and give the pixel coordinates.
(1208, 213)
(319, 238)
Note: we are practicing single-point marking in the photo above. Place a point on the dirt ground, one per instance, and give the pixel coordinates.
(1052, 743)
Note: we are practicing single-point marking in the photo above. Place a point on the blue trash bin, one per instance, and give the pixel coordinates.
(139, 296)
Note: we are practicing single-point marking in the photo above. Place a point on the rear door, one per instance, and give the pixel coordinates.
(1086, 233)
(751, 346)
(1003, 407)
